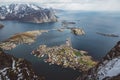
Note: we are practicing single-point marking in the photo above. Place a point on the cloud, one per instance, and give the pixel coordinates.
(98, 5)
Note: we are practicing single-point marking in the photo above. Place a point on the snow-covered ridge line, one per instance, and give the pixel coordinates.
(110, 69)
(27, 12)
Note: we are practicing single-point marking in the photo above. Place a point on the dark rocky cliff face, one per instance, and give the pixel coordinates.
(107, 69)
(27, 13)
(1, 26)
(12, 68)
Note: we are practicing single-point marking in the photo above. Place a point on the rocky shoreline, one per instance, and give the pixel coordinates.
(21, 38)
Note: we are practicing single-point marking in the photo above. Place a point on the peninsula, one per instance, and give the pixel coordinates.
(21, 38)
(65, 56)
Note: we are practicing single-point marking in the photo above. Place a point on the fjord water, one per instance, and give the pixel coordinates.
(96, 45)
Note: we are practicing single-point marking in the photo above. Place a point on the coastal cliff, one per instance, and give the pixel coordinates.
(12, 68)
(27, 13)
(107, 69)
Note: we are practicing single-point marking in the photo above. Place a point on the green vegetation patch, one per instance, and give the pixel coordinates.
(77, 53)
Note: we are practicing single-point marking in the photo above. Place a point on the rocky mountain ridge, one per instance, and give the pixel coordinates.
(12, 68)
(27, 13)
(107, 69)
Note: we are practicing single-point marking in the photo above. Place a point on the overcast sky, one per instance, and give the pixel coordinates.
(104, 5)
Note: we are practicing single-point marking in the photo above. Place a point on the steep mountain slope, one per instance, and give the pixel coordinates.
(12, 68)
(107, 69)
(27, 13)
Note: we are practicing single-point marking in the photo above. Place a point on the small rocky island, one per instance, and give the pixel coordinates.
(66, 56)
(77, 31)
(65, 23)
(21, 38)
(12, 68)
(27, 13)
(108, 35)
(1, 26)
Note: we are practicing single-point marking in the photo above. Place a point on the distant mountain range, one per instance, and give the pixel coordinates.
(27, 13)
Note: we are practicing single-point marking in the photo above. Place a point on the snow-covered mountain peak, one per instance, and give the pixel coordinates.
(26, 12)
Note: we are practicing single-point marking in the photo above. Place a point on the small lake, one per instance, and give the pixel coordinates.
(91, 22)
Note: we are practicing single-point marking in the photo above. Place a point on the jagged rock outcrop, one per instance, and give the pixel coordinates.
(1, 26)
(12, 68)
(107, 69)
(27, 13)
(77, 31)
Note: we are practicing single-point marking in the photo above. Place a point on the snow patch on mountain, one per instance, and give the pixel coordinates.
(27, 13)
(110, 69)
(12, 68)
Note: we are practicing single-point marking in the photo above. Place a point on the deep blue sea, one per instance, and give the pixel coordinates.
(96, 45)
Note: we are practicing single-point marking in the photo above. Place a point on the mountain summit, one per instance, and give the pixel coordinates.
(27, 13)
